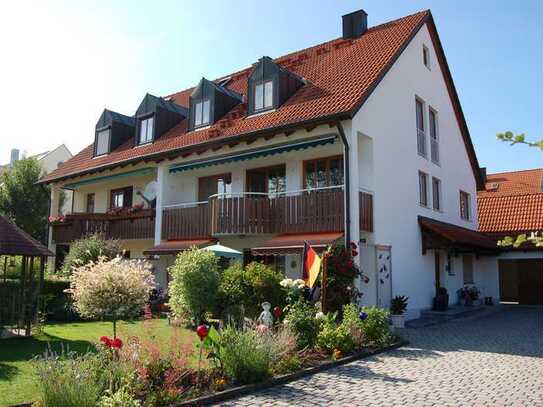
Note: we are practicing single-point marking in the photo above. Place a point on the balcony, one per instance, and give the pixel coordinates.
(138, 225)
(316, 210)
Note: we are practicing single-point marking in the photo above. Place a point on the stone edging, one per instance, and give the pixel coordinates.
(251, 388)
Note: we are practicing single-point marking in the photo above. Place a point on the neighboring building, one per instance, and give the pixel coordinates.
(269, 156)
(512, 204)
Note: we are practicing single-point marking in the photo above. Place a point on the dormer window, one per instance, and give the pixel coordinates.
(146, 130)
(264, 95)
(270, 85)
(102, 142)
(201, 113)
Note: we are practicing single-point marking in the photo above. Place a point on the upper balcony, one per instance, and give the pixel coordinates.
(124, 226)
(249, 213)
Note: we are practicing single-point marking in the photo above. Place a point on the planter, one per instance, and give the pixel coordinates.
(398, 321)
(441, 302)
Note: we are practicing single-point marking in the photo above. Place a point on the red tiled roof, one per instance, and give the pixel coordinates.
(15, 242)
(340, 75)
(512, 202)
(513, 183)
(294, 243)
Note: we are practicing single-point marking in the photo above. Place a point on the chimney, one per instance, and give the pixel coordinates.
(14, 156)
(355, 24)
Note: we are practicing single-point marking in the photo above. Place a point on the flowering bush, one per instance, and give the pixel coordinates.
(469, 294)
(341, 275)
(114, 289)
(90, 250)
(194, 284)
(333, 336)
(301, 319)
(375, 326)
(56, 219)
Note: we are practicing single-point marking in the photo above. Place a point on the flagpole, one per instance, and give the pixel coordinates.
(324, 282)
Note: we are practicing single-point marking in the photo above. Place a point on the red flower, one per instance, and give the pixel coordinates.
(350, 264)
(353, 245)
(354, 253)
(116, 343)
(202, 332)
(106, 341)
(277, 312)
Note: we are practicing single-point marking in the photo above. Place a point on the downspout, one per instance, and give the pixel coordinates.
(347, 195)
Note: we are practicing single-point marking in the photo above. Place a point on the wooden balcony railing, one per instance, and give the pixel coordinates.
(139, 225)
(251, 213)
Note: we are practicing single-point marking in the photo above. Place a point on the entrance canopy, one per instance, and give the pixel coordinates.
(175, 246)
(437, 235)
(294, 243)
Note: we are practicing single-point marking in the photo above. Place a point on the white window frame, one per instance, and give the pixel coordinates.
(439, 206)
(434, 138)
(465, 215)
(147, 125)
(108, 142)
(423, 177)
(267, 96)
(426, 57)
(422, 148)
(200, 119)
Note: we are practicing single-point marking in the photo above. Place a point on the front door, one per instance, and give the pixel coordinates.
(384, 276)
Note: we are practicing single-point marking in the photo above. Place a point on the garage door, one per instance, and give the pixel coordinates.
(522, 281)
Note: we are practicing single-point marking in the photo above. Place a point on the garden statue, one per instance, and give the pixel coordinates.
(265, 317)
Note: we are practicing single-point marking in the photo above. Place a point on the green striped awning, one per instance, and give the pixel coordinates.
(255, 153)
(140, 172)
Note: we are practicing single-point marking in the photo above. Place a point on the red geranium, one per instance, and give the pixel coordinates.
(106, 341)
(116, 343)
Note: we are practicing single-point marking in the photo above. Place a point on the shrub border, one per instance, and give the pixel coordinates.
(283, 379)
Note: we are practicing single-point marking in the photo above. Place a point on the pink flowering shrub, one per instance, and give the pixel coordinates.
(115, 289)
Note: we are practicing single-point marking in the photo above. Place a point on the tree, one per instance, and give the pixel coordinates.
(194, 284)
(90, 249)
(115, 289)
(23, 200)
(536, 237)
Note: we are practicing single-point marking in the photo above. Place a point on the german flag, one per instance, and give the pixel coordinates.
(311, 265)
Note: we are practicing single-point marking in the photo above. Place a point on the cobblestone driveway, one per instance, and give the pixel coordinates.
(492, 358)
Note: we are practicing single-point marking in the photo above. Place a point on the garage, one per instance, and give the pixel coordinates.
(521, 281)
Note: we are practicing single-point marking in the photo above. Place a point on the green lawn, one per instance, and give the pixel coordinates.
(17, 382)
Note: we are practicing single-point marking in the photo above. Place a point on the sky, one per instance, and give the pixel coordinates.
(62, 62)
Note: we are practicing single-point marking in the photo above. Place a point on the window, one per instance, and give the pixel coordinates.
(214, 184)
(423, 188)
(465, 209)
(146, 130)
(426, 56)
(323, 172)
(121, 198)
(467, 269)
(270, 180)
(264, 95)
(90, 203)
(434, 142)
(102, 142)
(201, 113)
(421, 135)
(436, 193)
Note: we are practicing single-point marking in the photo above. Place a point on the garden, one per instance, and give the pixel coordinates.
(225, 328)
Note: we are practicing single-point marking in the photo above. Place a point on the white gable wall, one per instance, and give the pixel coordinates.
(386, 128)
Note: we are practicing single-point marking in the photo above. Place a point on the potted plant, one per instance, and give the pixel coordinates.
(441, 300)
(469, 296)
(398, 305)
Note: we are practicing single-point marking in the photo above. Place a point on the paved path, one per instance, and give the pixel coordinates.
(492, 358)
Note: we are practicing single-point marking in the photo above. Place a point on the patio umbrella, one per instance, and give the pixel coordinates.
(223, 251)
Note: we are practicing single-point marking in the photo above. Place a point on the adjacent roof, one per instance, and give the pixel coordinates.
(15, 242)
(175, 246)
(294, 243)
(512, 202)
(437, 235)
(340, 75)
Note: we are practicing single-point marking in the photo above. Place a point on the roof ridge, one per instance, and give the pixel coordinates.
(506, 195)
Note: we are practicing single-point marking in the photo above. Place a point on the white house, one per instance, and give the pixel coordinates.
(362, 136)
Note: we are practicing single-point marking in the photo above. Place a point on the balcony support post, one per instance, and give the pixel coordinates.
(161, 177)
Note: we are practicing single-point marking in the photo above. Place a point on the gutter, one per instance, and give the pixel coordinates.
(347, 195)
